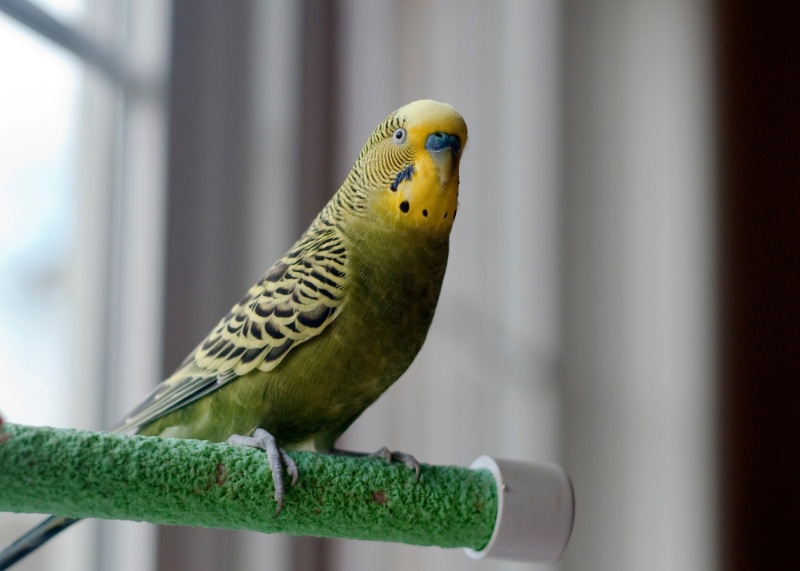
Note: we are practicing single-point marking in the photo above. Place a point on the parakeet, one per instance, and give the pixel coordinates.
(333, 323)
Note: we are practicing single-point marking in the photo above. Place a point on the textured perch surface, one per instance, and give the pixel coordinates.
(198, 483)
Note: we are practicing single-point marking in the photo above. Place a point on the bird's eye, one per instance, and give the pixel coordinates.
(400, 136)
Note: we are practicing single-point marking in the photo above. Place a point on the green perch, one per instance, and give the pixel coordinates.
(198, 483)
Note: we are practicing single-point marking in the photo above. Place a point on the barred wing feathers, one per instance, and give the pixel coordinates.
(293, 302)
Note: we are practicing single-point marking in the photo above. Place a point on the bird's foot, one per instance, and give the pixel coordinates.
(277, 456)
(388, 455)
(397, 456)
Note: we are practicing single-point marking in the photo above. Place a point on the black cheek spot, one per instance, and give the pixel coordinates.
(404, 206)
(425, 213)
(445, 215)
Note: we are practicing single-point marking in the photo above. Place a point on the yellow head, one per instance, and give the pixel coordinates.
(407, 173)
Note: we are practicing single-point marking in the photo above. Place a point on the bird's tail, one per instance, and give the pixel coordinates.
(34, 538)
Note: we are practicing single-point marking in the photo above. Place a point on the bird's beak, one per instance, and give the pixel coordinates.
(445, 150)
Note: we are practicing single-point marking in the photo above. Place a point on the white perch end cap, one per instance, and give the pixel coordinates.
(535, 511)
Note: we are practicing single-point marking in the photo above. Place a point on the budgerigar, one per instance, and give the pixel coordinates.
(334, 322)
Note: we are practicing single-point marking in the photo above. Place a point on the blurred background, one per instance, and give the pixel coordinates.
(622, 293)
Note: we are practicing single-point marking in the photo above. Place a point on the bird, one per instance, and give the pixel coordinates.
(332, 324)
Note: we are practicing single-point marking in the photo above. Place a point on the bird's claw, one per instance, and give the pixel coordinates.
(397, 456)
(277, 457)
(384, 454)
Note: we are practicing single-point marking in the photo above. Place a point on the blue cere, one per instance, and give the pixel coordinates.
(440, 141)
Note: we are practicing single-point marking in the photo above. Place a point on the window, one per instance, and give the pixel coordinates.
(38, 202)
(81, 181)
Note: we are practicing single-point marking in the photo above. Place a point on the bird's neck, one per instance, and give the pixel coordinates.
(393, 254)
(400, 276)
